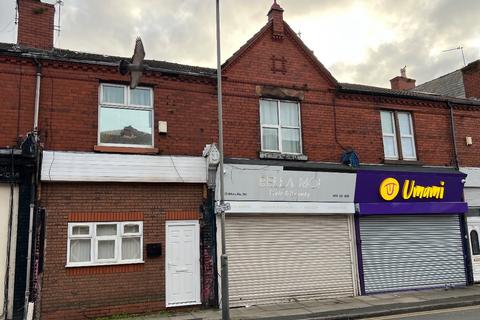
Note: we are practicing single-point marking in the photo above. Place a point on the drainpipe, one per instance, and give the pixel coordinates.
(28, 313)
(463, 220)
(452, 127)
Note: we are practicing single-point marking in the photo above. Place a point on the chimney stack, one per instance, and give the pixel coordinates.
(276, 15)
(402, 82)
(35, 24)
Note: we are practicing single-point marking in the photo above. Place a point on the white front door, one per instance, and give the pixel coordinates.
(182, 263)
(474, 236)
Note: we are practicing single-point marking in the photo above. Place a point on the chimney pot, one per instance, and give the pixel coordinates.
(35, 24)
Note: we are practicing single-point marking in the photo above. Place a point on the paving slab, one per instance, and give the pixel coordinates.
(342, 308)
(285, 306)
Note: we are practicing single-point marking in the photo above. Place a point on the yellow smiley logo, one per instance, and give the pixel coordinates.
(389, 189)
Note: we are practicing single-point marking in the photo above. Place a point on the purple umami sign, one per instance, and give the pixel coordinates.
(393, 192)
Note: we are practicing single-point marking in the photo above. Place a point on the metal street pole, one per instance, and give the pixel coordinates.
(224, 257)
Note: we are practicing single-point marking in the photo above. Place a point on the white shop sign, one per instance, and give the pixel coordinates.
(273, 183)
(472, 186)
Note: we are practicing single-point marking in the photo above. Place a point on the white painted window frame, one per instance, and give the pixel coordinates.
(394, 135)
(94, 243)
(394, 119)
(129, 235)
(410, 136)
(279, 127)
(114, 238)
(128, 106)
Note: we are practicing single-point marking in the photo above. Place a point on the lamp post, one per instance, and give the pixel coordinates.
(222, 207)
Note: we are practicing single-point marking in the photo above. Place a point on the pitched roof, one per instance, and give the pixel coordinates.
(295, 38)
(450, 85)
(371, 90)
(77, 56)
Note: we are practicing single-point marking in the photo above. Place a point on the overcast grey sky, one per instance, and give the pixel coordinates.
(364, 42)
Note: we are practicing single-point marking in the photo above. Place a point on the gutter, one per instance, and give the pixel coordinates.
(26, 54)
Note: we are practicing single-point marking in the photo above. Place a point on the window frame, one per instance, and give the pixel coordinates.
(279, 126)
(397, 135)
(92, 236)
(130, 235)
(125, 106)
(474, 249)
(98, 238)
(71, 236)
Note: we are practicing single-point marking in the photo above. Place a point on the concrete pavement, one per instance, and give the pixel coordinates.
(342, 308)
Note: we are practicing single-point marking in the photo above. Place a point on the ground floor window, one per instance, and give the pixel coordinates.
(98, 243)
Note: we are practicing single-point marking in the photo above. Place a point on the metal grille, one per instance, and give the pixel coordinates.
(409, 252)
(288, 258)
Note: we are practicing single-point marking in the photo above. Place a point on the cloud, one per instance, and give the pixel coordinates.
(423, 34)
(359, 41)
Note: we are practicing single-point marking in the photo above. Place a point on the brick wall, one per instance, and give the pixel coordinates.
(471, 79)
(82, 294)
(325, 131)
(466, 124)
(68, 117)
(17, 96)
(69, 108)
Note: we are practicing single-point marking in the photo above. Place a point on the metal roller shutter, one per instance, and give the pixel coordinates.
(288, 258)
(409, 252)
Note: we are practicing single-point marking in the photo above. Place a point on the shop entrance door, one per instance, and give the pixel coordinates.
(182, 263)
(473, 236)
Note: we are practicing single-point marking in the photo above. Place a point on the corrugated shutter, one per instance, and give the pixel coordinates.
(288, 258)
(408, 252)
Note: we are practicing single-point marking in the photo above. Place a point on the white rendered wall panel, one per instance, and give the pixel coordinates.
(96, 167)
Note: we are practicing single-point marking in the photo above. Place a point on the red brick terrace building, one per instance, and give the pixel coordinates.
(129, 219)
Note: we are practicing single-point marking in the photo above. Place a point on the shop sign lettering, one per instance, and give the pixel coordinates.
(390, 188)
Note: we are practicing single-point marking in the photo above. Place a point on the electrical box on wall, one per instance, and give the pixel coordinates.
(154, 250)
(162, 126)
(469, 141)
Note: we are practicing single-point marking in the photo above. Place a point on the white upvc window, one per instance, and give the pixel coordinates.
(280, 126)
(125, 116)
(102, 243)
(398, 135)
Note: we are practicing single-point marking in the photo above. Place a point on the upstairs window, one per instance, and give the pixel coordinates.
(280, 126)
(125, 116)
(398, 135)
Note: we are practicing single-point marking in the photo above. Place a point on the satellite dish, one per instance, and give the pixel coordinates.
(135, 67)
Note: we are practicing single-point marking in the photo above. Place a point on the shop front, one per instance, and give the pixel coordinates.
(123, 232)
(409, 230)
(289, 234)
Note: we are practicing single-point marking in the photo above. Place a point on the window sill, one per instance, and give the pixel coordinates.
(282, 156)
(110, 264)
(403, 162)
(105, 269)
(113, 149)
